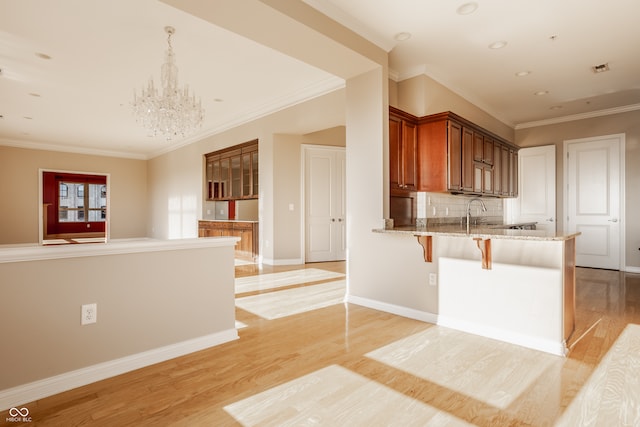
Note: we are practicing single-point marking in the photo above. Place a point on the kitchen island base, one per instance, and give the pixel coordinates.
(518, 288)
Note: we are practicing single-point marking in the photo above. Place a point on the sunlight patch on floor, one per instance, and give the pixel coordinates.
(611, 395)
(285, 278)
(489, 371)
(274, 305)
(338, 397)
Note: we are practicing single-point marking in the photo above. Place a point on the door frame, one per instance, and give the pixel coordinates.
(621, 170)
(303, 194)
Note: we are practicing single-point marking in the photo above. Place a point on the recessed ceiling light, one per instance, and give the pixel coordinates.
(218, 100)
(556, 107)
(42, 55)
(467, 8)
(402, 36)
(28, 118)
(523, 73)
(37, 95)
(541, 92)
(498, 45)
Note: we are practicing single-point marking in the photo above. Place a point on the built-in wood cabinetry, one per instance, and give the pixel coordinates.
(454, 155)
(403, 140)
(247, 248)
(232, 173)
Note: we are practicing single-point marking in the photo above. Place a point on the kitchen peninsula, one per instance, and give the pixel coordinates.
(512, 285)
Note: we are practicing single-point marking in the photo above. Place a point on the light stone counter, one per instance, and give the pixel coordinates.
(483, 232)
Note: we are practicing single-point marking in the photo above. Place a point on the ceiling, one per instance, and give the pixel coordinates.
(69, 68)
(556, 41)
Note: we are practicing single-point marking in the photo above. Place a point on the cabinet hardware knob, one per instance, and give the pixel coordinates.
(333, 220)
(613, 220)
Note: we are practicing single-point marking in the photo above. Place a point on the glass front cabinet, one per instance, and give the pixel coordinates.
(232, 173)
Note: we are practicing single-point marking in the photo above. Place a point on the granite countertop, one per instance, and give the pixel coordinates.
(481, 231)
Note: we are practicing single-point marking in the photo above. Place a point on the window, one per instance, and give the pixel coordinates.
(74, 205)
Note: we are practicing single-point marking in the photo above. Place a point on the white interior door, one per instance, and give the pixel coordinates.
(594, 173)
(325, 204)
(536, 200)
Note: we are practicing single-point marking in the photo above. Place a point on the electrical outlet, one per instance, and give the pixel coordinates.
(433, 279)
(89, 314)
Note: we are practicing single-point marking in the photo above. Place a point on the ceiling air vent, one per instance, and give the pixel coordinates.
(600, 68)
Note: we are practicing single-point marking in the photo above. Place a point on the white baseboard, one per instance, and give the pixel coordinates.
(547, 346)
(498, 334)
(30, 392)
(293, 261)
(411, 313)
(630, 269)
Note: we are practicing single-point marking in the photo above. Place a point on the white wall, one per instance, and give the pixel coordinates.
(177, 178)
(382, 268)
(145, 301)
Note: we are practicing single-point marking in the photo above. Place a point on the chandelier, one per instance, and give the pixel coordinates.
(171, 112)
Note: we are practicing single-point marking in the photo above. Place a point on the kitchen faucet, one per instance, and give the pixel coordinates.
(484, 209)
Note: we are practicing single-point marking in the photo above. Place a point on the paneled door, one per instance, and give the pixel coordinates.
(325, 204)
(536, 200)
(594, 171)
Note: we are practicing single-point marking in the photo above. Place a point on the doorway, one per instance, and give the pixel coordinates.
(594, 204)
(325, 203)
(536, 200)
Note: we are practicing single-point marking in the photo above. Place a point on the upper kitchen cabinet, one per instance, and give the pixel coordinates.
(232, 173)
(403, 139)
(452, 155)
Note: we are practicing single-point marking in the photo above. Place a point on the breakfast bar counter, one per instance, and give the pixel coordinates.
(509, 284)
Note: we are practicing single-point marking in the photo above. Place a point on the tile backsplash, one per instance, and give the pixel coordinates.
(447, 208)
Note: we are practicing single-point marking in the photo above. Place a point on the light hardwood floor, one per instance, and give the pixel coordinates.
(346, 365)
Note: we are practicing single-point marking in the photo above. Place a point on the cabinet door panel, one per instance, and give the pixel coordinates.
(254, 174)
(468, 172)
(395, 137)
(487, 156)
(505, 173)
(513, 173)
(409, 153)
(225, 178)
(487, 179)
(478, 174)
(246, 174)
(236, 177)
(455, 156)
(478, 147)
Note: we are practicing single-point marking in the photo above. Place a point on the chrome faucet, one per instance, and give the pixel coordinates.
(484, 209)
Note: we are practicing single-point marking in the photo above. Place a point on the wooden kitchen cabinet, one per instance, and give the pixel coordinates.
(247, 248)
(403, 139)
(457, 156)
(232, 173)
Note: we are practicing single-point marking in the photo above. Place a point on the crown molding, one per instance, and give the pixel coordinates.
(33, 145)
(581, 116)
(315, 90)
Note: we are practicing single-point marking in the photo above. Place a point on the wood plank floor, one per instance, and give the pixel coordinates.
(346, 365)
